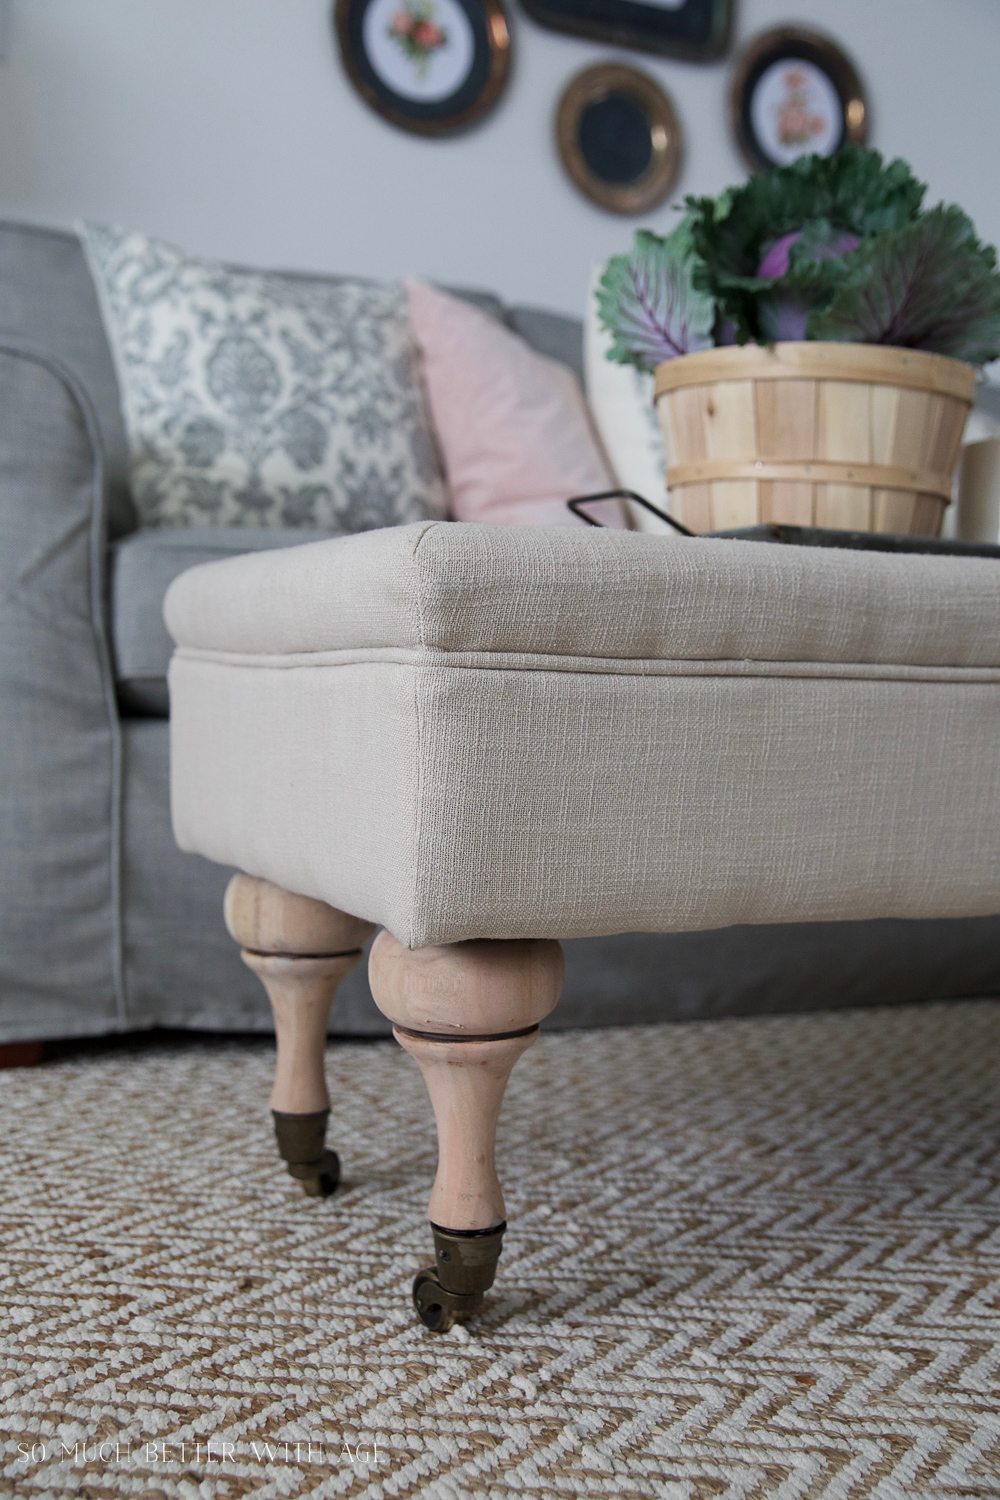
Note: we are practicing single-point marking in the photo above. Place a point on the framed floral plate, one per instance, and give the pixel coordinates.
(429, 66)
(795, 92)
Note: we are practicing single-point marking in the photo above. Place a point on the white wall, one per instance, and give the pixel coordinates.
(229, 127)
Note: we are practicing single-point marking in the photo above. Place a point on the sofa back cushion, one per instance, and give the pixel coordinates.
(549, 333)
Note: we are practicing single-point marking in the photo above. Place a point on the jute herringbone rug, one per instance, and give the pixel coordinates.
(747, 1258)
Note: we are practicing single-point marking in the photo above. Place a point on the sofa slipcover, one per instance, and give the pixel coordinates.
(476, 732)
(142, 568)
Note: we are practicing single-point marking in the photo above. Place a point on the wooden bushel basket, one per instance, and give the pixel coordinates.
(853, 436)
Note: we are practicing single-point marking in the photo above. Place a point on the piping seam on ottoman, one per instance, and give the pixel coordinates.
(598, 666)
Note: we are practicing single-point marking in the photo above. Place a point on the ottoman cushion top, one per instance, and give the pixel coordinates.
(557, 591)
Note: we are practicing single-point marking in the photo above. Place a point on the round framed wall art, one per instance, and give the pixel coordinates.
(795, 92)
(619, 138)
(428, 66)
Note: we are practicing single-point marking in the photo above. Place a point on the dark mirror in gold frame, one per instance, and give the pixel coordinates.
(619, 138)
(432, 67)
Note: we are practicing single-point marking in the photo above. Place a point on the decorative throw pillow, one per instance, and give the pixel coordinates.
(253, 398)
(621, 399)
(512, 425)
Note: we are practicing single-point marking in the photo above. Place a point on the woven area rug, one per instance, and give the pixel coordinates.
(746, 1258)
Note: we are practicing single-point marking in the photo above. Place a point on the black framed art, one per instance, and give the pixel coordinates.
(619, 138)
(697, 29)
(795, 92)
(428, 66)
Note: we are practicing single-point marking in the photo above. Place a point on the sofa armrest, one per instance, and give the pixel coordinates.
(60, 758)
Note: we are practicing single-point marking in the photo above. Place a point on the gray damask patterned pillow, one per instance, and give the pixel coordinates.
(260, 399)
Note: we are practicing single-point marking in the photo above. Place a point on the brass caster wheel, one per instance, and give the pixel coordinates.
(438, 1309)
(300, 1144)
(317, 1179)
(452, 1290)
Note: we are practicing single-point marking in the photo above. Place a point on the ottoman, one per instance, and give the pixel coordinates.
(483, 739)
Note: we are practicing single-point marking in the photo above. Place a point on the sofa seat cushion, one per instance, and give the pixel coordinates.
(468, 731)
(142, 567)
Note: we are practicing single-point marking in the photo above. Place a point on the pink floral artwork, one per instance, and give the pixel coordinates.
(796, 125)
(414, 29)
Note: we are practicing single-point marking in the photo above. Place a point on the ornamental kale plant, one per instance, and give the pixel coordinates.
(649, 303)
(828, 248)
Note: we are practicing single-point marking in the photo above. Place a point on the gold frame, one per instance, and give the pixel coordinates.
(667, 140)
(498, 34)
(817, 48)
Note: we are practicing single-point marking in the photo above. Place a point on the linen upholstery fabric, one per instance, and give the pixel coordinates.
(593, 593)
(255, 398)
(465, 731)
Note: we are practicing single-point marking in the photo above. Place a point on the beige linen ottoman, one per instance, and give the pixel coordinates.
(484, 739)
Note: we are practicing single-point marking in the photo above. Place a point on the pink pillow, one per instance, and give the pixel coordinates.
(512, 425)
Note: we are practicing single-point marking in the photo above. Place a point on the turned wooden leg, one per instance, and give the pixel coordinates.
(466, 1012)
(300, 949)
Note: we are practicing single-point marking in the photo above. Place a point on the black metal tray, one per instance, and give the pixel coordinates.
(802, 536)
(866, 541)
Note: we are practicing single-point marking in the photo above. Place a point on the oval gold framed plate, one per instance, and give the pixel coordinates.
(619, 138)
(795, 92)
(428, 66)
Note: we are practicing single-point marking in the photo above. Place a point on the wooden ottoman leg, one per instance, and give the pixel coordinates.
(300, 949)
(466, 1013)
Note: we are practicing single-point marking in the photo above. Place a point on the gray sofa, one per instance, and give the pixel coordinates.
(104, 925)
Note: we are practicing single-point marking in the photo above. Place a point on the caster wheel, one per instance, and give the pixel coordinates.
(300, 1144)
(323, 1176)
(437, 1308)
(429, 1299)
(468, 1262)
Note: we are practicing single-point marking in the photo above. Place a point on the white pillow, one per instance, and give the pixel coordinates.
(621, 401)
